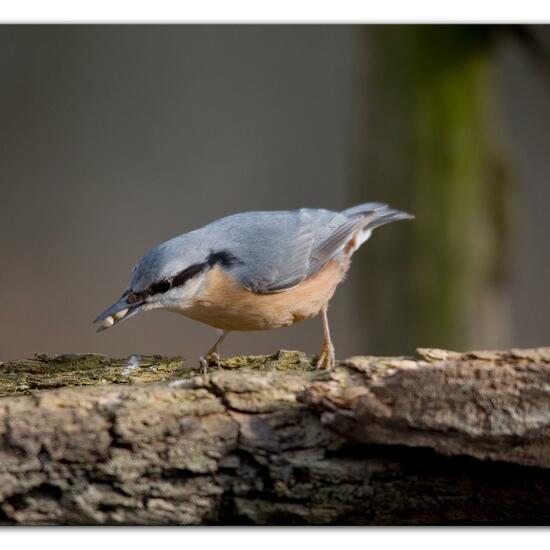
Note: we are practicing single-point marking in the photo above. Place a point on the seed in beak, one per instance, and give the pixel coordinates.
(108, 322)
(120, 314)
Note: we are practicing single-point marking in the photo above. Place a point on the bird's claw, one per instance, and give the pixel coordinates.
(212, 358)
(327, 359)
(203, 364)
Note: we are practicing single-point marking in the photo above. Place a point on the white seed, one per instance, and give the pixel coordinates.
(108, 322)
(120, 314)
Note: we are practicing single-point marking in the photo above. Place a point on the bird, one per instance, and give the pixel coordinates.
(253, 271)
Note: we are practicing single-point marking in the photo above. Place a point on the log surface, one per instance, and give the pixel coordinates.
(445, 438)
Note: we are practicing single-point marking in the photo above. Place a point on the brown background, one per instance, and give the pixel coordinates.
(113, 139)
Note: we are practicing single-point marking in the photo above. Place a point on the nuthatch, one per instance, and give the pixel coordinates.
(253, 271)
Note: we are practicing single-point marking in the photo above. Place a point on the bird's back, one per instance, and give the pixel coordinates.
(270, 251)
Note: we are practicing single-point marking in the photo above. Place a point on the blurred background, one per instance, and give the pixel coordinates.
(116, 138)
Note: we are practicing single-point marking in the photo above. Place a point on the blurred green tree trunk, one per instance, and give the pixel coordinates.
(429, 145)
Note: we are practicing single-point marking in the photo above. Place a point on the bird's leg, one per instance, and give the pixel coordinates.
(326, 358)
(212, 355)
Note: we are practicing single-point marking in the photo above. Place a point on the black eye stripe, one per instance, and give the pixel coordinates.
(223, 258)
(161, 287)
(183, 276)
(165, 285)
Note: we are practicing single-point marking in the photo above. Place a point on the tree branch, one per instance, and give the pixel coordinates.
(446, 438)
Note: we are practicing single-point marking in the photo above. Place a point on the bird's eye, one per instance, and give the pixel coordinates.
(132, 298)
(161, 287)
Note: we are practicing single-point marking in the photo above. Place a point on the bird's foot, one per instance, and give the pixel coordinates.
(327, 359)
(203, 364)
(212, 359)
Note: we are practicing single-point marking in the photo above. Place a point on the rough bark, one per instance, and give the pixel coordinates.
(446, 438)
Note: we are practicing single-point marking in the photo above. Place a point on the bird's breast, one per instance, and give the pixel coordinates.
(224, 303)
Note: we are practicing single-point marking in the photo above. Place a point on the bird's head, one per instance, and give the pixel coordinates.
(170, 276)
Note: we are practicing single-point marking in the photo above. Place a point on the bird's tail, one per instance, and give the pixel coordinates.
(377, 214)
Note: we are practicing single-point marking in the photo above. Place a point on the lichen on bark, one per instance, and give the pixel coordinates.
(87, 369)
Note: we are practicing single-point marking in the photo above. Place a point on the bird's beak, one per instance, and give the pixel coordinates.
(119, 311)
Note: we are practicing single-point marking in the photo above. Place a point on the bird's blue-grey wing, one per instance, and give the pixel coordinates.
(272, 248)
(281, 249)
(285, 248)
(359, 220)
